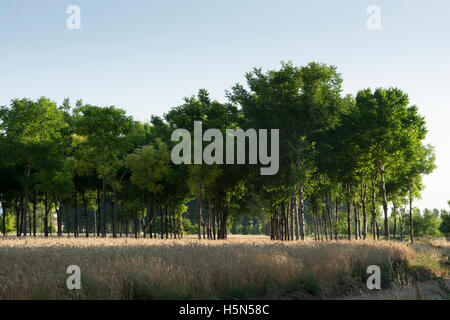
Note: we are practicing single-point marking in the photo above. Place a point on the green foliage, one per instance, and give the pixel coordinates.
(334, 150)
(444, 228)
(426, 224)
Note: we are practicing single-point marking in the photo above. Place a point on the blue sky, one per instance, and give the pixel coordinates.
(145, 56)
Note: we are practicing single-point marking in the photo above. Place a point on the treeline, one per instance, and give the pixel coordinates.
(343, 161)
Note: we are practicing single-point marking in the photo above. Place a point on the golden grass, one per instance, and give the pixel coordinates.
(127, 268)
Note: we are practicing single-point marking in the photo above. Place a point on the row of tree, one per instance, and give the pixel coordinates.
(98, 166)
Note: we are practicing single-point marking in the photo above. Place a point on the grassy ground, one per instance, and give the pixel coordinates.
(243, 267)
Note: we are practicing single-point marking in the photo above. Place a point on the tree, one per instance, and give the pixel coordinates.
(104, 129)
(444, 228)
(303, 102)
(426, 224)
(149, 166)
(32, 131)
(391, 127)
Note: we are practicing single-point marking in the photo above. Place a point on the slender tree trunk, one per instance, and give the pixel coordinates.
(136, 232)
(400, 221)
(214, 221)
(277, 224)
(301, 210)
(34, 217)
(162, 223)
(355, 209)
(18, 210)
(319, 225)
(394, 214)
(297, 225)
(144, 223)
(167, 227)
(411, 229)
(316, 231)
(4, 219)
(86, 220)
(223, 221)
(363, 202)
(283, 217)
(209, 221)
(325, 225)
(98, 213)
(45, 215)
(378, 230)
(327, 206)
(94, 222)
(29, 223)
(200, 219)
(114, 222)
(349, 222)
(385, 207)
(21, 216)
(102, 212)
(374, 211)
(59, 216)
(336, 219)
(75, 222)
(291, 220)
(25, 202)
(68, 225)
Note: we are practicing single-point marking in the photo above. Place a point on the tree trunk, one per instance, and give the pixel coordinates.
(98, 213)
(136, 230)
(214, 221)
(114, 223)
(349, 226)
(102, 212)
(3, 219)
(336, 219)
(400, 221)
(86, 220)
(45, 215)
(327, 206)
(394, 214)
(301, 210)
(21, 216)
(167, 226)
(378, 230)
(297, 225)
(385, 207)
(411, 230)
(34, 217)
(325, 225)
(162, 222)
(25, 203)
(200, 219)
(223, 221)
(319, 223)
(363, 202)
(144, 224)
(75, 221)
(374, 211)
(355, 209)
(291, 220)
(59, 214)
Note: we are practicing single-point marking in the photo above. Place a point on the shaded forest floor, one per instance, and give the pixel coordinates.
(242, 267)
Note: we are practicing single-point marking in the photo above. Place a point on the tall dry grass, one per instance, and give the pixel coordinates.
(240, 267)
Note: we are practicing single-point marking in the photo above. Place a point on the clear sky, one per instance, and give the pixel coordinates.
(145, 56)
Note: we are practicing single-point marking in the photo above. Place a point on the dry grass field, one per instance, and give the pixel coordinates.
(243, 267)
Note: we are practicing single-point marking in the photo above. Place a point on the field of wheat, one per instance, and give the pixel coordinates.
(242, 267)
